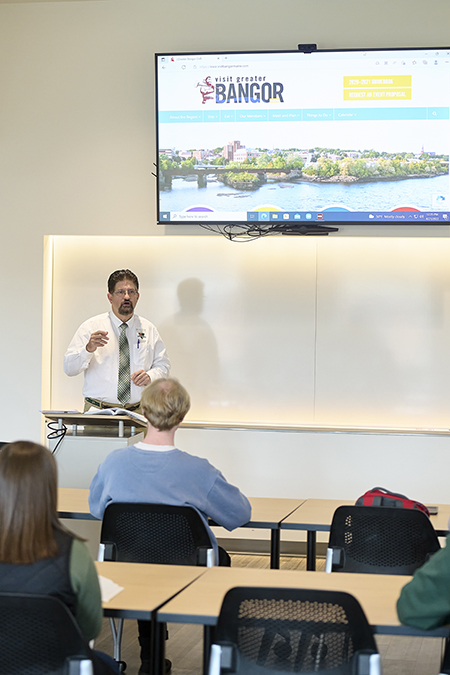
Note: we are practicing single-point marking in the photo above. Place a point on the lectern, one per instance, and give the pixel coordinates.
(87, 440)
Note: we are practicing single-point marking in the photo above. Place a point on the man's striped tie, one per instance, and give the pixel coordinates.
(123, 384)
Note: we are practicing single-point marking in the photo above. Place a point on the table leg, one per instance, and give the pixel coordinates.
(275, 549)
(158, 641)
(311, 550)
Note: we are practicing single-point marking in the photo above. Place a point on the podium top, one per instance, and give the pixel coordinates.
(81, 419)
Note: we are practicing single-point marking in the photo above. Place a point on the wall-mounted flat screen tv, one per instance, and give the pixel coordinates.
(326, 137)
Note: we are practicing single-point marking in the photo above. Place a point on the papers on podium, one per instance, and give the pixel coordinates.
(117, 411)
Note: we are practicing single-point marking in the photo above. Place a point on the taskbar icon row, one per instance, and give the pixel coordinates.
(282, 216)
(349, 216)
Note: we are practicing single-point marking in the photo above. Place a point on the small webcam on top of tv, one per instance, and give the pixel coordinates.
(307, 48)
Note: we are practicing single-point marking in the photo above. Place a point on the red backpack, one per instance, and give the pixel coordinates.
(378, 496)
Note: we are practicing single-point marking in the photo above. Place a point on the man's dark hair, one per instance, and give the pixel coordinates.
(120, 275)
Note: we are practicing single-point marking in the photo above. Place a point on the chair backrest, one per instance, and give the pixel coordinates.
(380, 540)
(273, 630)
(39, 636)
(155, 533)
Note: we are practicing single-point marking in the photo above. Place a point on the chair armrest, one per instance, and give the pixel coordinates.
(206, 557)
(222, 656)
(335, 558)
(106, 552)
(101, 553)
(214, 660)
(80, 667)
(369, 663)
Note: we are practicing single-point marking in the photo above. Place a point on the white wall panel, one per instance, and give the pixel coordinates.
(242, 329)
(238, 320)
(325, 465)
(383, 326)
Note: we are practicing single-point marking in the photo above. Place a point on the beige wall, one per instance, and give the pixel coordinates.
(77, 127)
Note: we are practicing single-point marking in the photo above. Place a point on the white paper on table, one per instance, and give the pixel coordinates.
(109, 589)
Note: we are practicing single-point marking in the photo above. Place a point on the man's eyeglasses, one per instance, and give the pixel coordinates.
(124, 291)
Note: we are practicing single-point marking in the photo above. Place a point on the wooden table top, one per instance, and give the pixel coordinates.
(145, 587)
(74, 503)
(440, 520)
(377, 593)
(317, 514)
(266, 512)
(314, 514)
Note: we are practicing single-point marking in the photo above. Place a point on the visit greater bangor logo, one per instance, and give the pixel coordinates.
(242, 89)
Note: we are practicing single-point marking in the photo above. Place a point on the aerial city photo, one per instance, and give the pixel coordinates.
(317, 177)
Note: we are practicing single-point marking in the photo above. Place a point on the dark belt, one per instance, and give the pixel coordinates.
(103, 404)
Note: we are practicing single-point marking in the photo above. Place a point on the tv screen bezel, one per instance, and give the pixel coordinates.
(319, 223)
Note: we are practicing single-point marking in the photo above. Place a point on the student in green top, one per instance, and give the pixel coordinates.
(424, 602)
(38, 555)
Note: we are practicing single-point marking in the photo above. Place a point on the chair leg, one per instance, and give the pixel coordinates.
(116, 631)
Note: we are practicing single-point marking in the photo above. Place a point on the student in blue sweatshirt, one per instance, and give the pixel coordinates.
(156, 471)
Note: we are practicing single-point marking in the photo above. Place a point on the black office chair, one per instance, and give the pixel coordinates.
(379, 540)
(39, 636)
(153, 533)
(263, 631)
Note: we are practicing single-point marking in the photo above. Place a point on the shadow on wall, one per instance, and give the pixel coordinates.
(192, 345)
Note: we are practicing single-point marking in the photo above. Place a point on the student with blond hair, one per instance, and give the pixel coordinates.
(156, 471)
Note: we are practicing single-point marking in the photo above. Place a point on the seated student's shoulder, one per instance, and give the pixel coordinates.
(116, 457)
(201, 463)
(424, 601)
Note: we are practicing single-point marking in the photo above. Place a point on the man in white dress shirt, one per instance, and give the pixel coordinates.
(95, 349)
